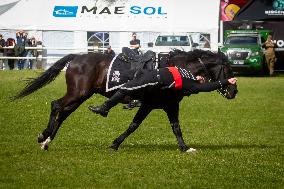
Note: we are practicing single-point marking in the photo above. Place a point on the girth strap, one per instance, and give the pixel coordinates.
(177, 77)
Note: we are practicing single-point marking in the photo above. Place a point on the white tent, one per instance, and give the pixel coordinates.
(110, 15)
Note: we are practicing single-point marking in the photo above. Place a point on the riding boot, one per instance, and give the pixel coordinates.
(105, 107)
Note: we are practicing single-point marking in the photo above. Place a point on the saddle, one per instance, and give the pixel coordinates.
(126, 66)
(144, 61)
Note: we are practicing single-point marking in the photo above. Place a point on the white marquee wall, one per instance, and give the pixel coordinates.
(38, 18)
(135, 15)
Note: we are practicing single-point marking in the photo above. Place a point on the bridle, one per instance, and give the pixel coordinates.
(208, 78)
(223, 91)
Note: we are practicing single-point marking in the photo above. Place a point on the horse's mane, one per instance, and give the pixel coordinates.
(196, 54)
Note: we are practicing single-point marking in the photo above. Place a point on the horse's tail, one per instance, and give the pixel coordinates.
(45, 78)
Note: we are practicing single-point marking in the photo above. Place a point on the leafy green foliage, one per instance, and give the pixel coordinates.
(239, 142)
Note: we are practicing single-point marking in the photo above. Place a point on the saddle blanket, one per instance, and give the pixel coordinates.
(119, 72)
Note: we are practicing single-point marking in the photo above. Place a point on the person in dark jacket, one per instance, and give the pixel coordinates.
(2, 44)
(170, 77)
(135, 43)
(31, 53)
(21, 38)
(10, 42)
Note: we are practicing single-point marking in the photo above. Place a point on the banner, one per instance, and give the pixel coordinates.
(106, 15)
(252, 10)
(262, 10)
(229, 8)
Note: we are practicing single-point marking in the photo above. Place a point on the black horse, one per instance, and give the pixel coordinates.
(86, 75)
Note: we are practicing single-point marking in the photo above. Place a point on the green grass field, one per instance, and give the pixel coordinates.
(240, 143)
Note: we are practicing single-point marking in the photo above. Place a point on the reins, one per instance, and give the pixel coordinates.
(207, 75)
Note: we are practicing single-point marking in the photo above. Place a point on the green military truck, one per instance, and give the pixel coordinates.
(244, 50)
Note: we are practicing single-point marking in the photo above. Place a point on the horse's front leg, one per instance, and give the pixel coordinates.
(141, 114)
(172, 113)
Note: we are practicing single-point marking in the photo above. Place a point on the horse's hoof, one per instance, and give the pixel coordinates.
(40, 138)
(191, 150)
(114, 147)
(45, 144)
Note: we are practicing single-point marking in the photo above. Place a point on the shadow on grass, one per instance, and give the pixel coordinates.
(163, 147)
(231, 146)
(170, 147)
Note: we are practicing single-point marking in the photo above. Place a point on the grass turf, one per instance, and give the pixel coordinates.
(239, 142)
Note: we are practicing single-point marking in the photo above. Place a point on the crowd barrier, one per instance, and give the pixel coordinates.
(40, 50)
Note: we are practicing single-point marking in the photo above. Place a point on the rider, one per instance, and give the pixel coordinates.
(170, 77)
(135, 43)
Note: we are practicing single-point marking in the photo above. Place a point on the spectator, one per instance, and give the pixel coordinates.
(39, 61)
(20, 48)
(2, 44)
(270, 57)
(31, 53)
(135, 43)
(110, 52)
(10, 42)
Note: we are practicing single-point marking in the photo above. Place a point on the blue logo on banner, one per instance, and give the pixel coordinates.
(65, 11)
(278, 4)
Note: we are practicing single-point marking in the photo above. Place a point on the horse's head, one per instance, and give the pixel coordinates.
(212, 66)
(216, 67)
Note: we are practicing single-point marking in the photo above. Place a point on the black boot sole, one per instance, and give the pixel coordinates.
(94, 110)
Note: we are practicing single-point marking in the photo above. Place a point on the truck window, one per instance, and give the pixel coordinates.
(172, 41)
(241, 40)
(262, 40)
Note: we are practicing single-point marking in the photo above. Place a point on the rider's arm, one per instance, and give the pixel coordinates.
(196, 87)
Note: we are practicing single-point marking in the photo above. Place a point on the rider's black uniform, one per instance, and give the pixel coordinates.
(170, 77)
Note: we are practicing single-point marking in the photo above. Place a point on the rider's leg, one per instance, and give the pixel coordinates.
(135, 86)
(108, 104)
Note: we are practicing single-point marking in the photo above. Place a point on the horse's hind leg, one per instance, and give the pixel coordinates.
(60, 110)
(141, 114)
(55, 109)
(57, 116)
(63, 115)
(172, 113)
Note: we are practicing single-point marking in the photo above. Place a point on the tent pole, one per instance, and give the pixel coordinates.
(221, 34)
